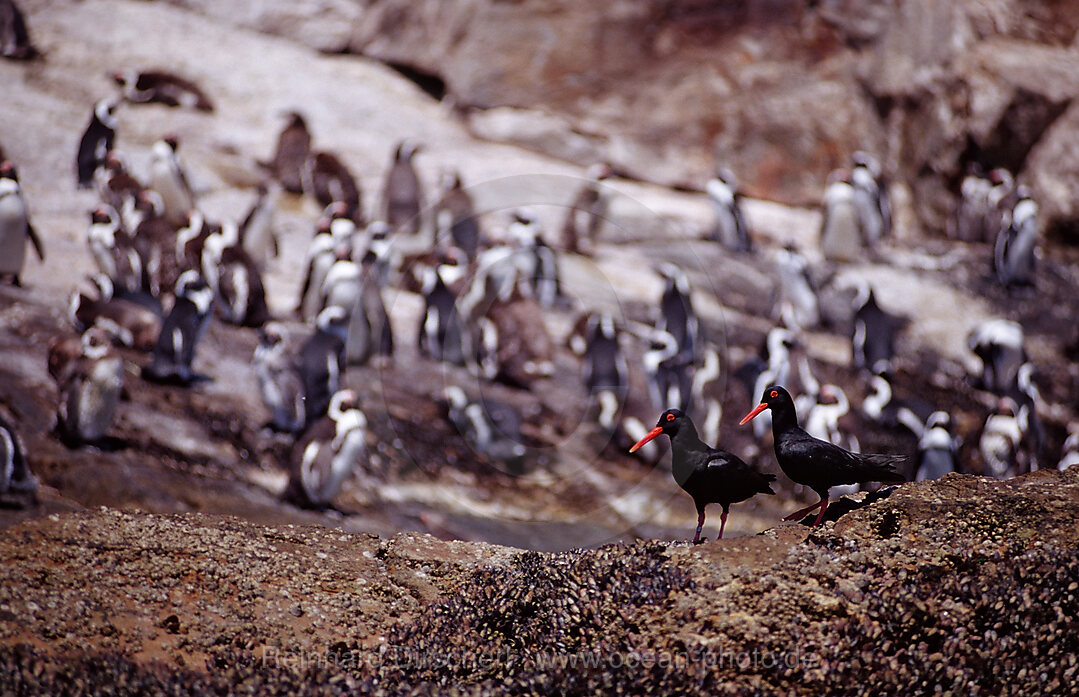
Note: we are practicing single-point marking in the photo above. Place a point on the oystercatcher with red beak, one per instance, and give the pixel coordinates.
(707, 474)
(817, 463)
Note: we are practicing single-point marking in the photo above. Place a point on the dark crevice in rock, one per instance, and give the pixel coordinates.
(1020, 128)
(431, 83)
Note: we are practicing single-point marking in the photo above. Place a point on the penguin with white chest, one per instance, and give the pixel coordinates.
(181, 331)
(90, 388)
(606, 373)
(279, 379)
(15, 227)
(369, 330)
(324, 458)
(322, 361)
(168, 179)
(97, 141)
(18, 486)
(402, 194)
(730, 228)
(1014, 252)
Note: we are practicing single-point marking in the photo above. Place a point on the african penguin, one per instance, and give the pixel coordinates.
(587, 212)
(329, 181)
(369, 330)
(168, 179)
(181, 331)
(490, 427)
(800, 304)
(606, 373)
(293, 149)
(279, 379)
(257, 235)
(456, 222)
(18, 487)
(873, 336)
(999, 345)
(97, 141)
(15, 227)
(730, 225)
(441, 334)
(322, 361)
(1016, 244)
(15, 40)
(840, 234)
(402, 194)
(90, 388)
(327, 453)
(320, 258)
(937, 449)
(871, 198)
(146, 86)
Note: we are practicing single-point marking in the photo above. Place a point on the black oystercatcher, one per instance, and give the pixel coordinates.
(707, 474)
(816, 463)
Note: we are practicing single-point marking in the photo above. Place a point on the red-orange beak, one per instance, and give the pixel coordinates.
(651, 434)
(749, 417)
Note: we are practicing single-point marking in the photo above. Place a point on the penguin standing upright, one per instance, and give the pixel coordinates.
(293, 149)
(97, 141)
(606, 374)
(236, 279)
(113, 249)
(90, 388)
(840, 233)
(329, 181)
(1000, 441)
(706, 392)
(871, 198)
(369, 330)
(800, 304)
(326, 454)
(320, 257)
(937, 449)
(15, 40)
(402, 194)
(873, 335)
(676, 313)
(999, 345)
(15, 227)
(441, 335)
(322, 361)
(1014, 252)
(181, 331)
(18, 486)
(168, 179)
(730, 227)
(973, 212)
(455, 217)
(587, 212)
(280, 382)
(257, 235)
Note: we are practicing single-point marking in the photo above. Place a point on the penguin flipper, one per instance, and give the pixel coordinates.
(36, 241)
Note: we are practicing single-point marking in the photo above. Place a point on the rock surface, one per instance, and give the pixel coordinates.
(961, 584)
(780, 92)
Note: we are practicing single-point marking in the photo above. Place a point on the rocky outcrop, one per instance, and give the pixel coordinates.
(780, 92)
(959, 584)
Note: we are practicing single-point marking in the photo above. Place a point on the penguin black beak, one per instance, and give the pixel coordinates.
(651, 434)
(749, 417)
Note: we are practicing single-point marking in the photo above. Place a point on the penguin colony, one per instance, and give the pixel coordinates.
(165, 272)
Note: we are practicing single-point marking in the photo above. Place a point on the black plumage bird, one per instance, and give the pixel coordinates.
(817, 463)
(707, 474)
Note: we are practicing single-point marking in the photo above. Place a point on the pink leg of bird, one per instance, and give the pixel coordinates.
(801, 512)
(700, 525)
(722, 524)
(823, 508)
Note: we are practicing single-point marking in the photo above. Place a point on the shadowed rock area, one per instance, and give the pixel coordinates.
(950, 586)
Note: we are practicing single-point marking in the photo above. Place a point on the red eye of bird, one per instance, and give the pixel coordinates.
(670, 417)
(774, 393)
